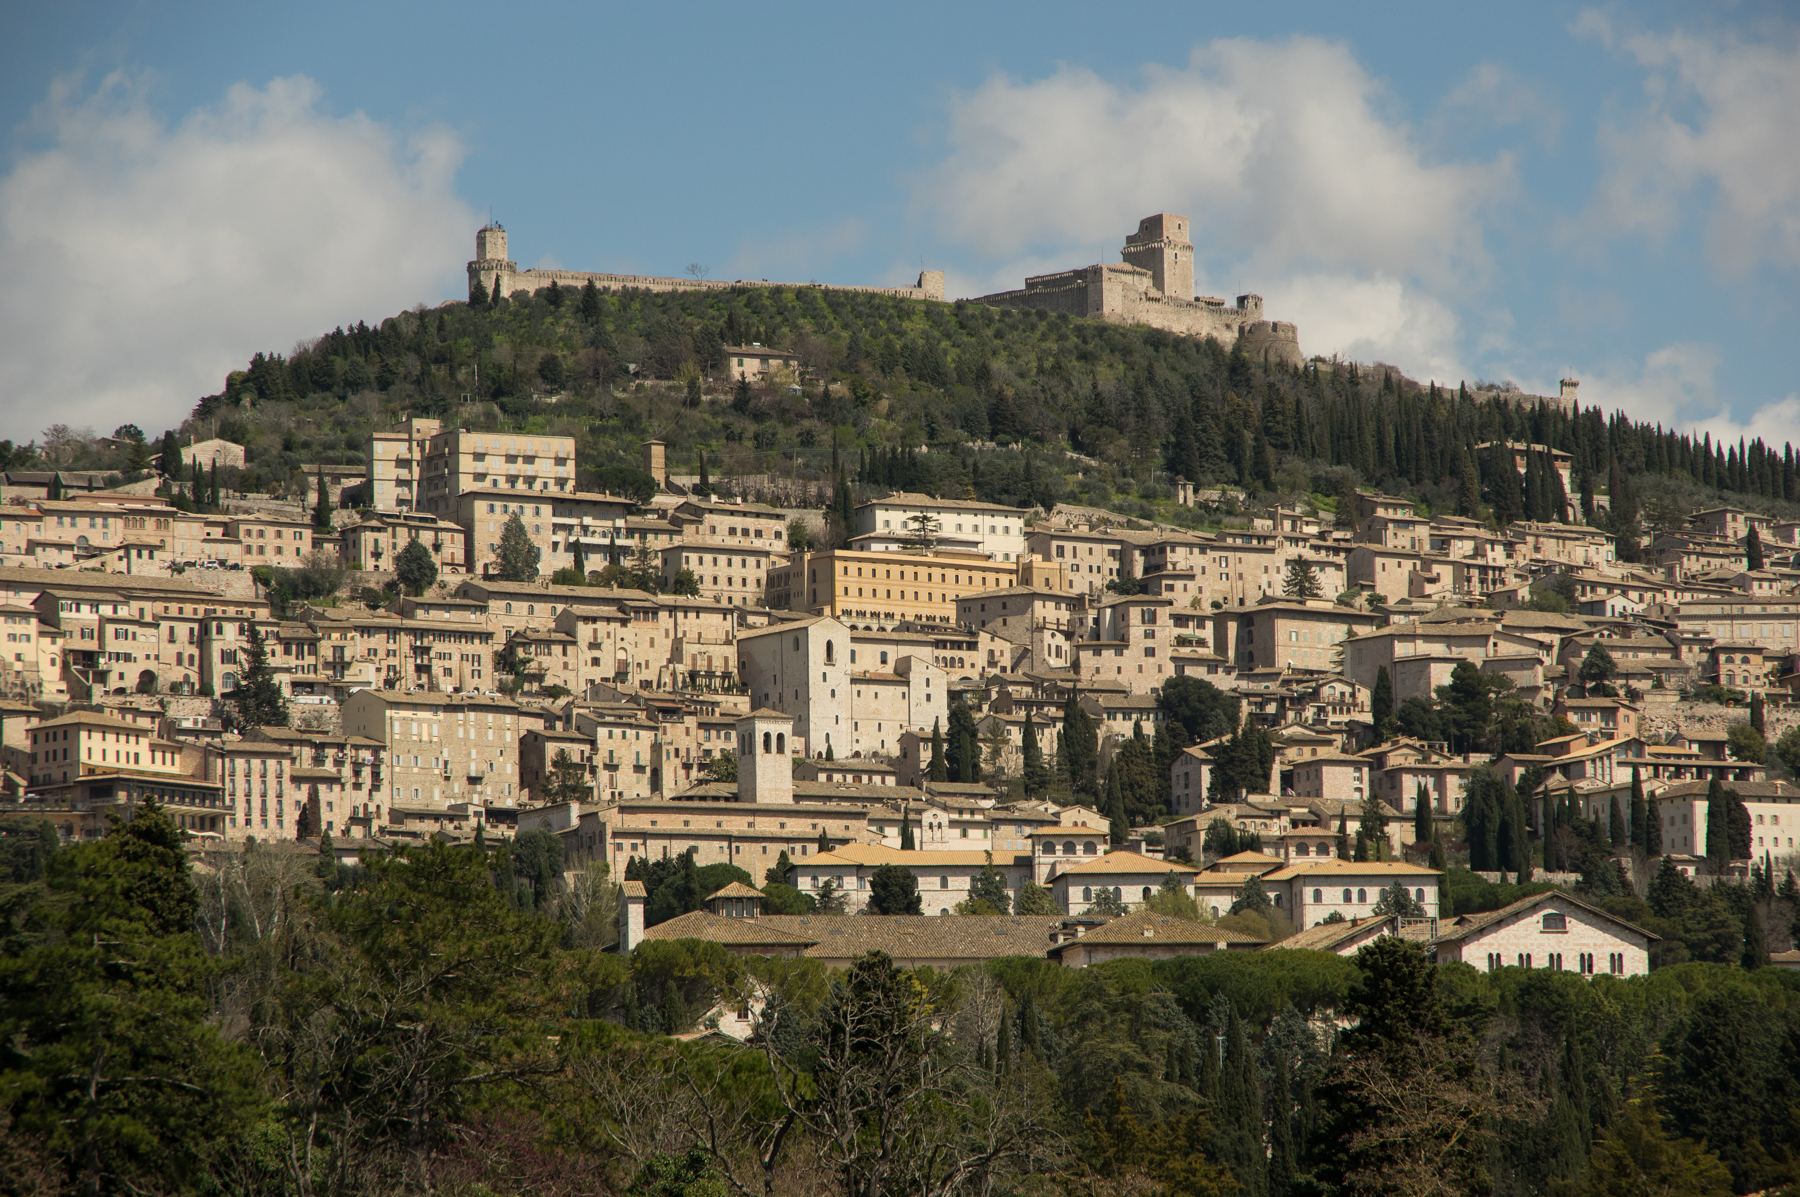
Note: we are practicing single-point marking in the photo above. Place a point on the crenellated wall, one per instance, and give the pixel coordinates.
(492, 269)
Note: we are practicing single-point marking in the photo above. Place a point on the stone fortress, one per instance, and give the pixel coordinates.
(1154, 285)
(492, 269)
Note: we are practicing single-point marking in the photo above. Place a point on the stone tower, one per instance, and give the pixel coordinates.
(1161, 246)
(765, 770)
(491, 267)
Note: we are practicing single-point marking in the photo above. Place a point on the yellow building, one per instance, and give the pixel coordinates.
(883, 589)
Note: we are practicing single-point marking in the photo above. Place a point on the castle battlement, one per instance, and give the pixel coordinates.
(497, 274)
(1154, 285)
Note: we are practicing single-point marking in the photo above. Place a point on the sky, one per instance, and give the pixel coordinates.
(1525, 192)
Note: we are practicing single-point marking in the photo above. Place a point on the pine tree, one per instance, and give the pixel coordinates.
(519, 557)
(1468, 491)
(169, 461)
(1302, 580)
(257, 701)
(478, 293)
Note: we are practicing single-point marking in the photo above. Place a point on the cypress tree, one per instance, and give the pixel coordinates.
(1756, 943)
(1621, 830)
(1343, 832)
(1281, 1129)
(824, 840)
(1718, 835)
(1115, 808)
(1424, 827)
(906, 835)
(1753, 550)
(1640, 813)
(1756, 710)
(1381, 705)
(1003, 1045)
(939, 771)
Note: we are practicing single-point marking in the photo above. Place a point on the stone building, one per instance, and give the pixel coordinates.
(1154, 285)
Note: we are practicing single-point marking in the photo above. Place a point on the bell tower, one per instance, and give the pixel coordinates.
(1162, 247)
(765, 768)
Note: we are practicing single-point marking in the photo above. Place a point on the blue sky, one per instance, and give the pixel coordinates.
(1523, 191)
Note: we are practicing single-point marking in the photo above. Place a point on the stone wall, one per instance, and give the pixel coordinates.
(512, 281)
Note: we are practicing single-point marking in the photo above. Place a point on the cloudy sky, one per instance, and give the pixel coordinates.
(1527, 192)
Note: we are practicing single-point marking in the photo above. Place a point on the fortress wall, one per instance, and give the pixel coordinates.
(528, 281)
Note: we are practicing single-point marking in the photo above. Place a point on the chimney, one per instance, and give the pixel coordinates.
(631, 915)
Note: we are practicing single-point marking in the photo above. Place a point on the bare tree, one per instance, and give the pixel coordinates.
(696, 271)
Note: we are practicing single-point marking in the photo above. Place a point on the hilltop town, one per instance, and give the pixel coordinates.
(677, 674)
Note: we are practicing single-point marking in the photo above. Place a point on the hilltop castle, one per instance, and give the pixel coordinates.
(492, 270)
(1153, 286)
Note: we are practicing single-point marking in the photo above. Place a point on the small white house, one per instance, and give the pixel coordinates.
(1312, 891)
(1132, 878)
(1549, 930)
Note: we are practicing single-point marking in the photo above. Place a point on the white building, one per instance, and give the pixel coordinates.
(1551, 930)
(893, 523)
(1312, 891)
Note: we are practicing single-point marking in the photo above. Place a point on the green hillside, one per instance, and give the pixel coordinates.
(884, 376)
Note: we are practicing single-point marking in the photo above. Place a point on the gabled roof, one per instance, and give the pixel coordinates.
(1127, 862)
(1468, 924)
(1352, 868)
(737, 889)
(1150, 927)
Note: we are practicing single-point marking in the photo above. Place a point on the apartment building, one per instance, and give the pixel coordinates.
(736, 575)
(909, 521)
(457, 462)
(886, 589)
(379, 539)
(396, 460)
(444, 748)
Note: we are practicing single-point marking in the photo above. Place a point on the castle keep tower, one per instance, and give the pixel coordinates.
(765, 770)
(1161, 246)
(491, 267)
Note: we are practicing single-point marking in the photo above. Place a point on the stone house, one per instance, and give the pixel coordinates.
(1554, 930)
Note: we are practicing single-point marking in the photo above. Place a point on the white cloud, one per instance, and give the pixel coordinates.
(1278, 152)
(1675, 387)
(1497, 95)
(1717, 121)
(1371, 319)
(147, 260)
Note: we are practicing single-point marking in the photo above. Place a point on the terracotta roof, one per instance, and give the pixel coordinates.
(1468, 924)
(874, 855)
(737, 889)
(1127, 862)
(1327, 937)
(1352, 868)
(719, 928)
(1147, 926)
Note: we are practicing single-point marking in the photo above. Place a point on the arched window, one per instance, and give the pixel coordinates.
(1047, 848)
(766, 742)
(509, 608)
(1277, 901)
(1087, 848)
(830, 653)
(943, 883)
(1069, 848)
(1146, 893)
(1118, 893)
(531, 609)
(1215, 912)
(1318, 898)
(884, 656)
(1419, 894)
(1362, 897)
(781, 743)
(1324, 849)
(1346, 895)
(1302, 850)
(1087, 893)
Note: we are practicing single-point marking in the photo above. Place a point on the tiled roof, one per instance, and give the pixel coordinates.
(1352, 868)
(1127, 862)
(1147, 926)
(1468, 924)
(737, 889)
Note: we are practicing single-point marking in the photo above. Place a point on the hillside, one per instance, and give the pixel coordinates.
(882, 375)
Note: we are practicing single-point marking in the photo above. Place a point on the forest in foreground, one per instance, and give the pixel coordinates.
(275, 1026)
